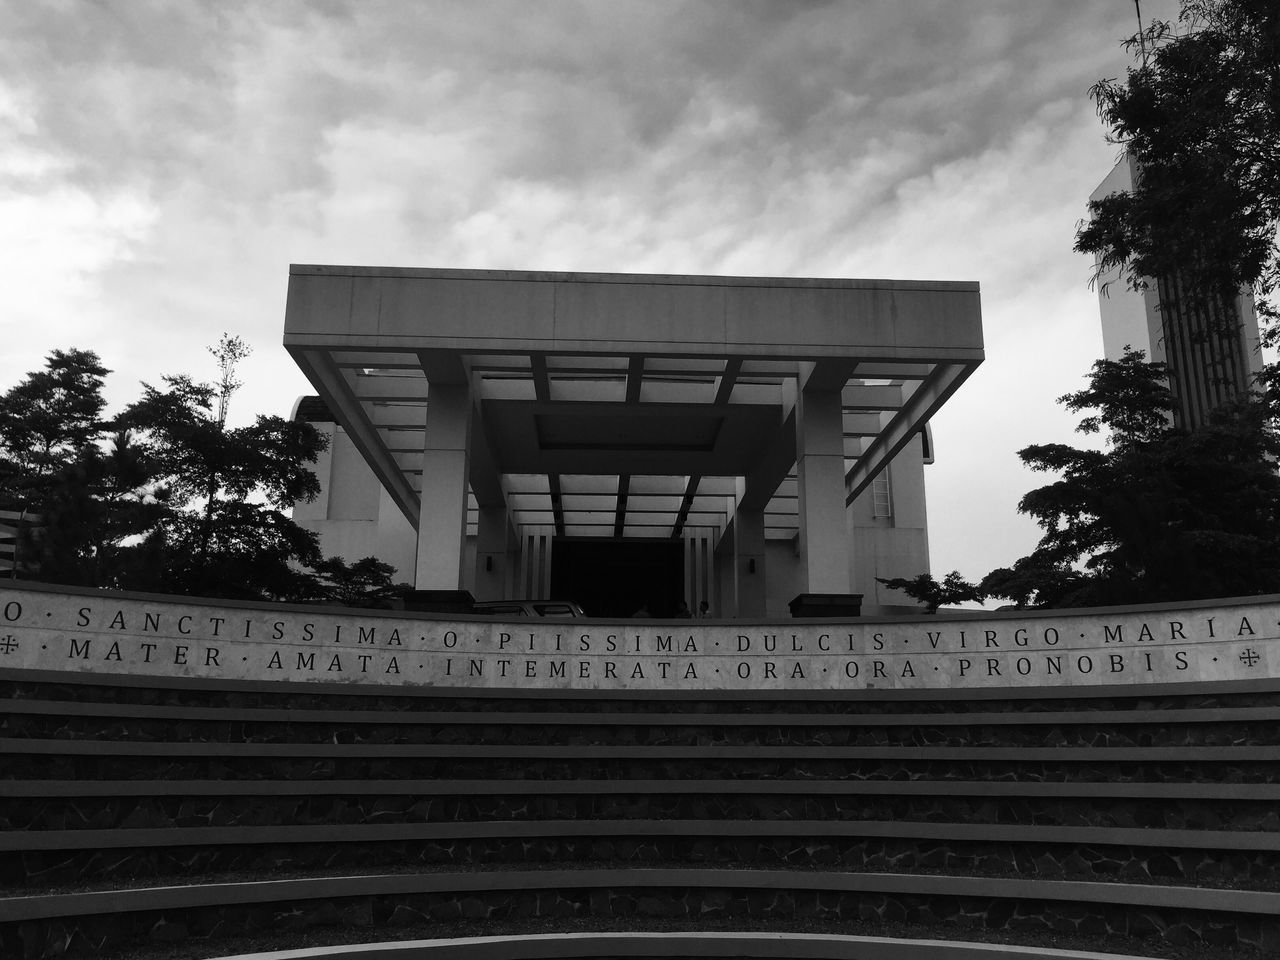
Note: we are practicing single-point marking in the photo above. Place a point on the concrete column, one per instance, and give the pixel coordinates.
(824, 543)
(493, 550)
(442, 525)
(748, 564)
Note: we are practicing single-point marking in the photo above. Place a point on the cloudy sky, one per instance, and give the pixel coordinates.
(162, 163)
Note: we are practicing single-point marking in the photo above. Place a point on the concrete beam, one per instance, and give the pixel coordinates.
(386, 308)
(776, 459)
(906, 423)
(334, 389)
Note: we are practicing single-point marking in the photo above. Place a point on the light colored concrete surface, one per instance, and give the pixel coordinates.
(795, 946)
(69, 632)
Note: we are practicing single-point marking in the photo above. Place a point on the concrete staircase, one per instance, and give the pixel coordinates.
(133, 813)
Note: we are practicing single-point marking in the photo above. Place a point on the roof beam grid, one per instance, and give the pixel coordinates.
(516, 483)
(541, 387)
(507, 388)
(483, 473)
(656, 390)
(775, 464)
(588, 483)
(444, 366)
(620, 509)
(862, 424)
(370, 360)
(635, 378)
(682, 349)
(669, 365)
(557, 508)
(658, 485)
(943, 381)
(587, 362)
(372, 387)
(504, 362)
(825, 375)
(858, 398)
(690, 491)
(587, 389)
(728, 378)
(395, 414)
(889, 370)
(334, 390)
(583, 501)
(654, 503)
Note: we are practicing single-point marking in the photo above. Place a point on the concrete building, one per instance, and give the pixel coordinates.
(627, 440)
(1206, 367)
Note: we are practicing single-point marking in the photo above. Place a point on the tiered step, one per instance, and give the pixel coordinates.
(1143, 819)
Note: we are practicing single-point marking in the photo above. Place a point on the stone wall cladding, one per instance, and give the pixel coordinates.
(298, 697)
(98, 813)
(1079, 734)
(1209, 868)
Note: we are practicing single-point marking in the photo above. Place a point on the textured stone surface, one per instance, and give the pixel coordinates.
(300, 698)
(325, 808)
(79, 632)
(326, 804)
(591, 730)
(947, 916)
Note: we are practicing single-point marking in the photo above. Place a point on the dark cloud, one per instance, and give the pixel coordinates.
(175, 93)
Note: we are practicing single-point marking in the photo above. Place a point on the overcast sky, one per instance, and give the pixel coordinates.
(162, 163)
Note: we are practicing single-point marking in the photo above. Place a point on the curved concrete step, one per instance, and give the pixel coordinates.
(153, 748)
(164, 837)
(746, 945)
(128, 900)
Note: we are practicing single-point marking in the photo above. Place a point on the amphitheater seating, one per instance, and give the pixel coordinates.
(133, 814)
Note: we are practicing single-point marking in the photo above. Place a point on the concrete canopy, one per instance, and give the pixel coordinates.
(627, 405)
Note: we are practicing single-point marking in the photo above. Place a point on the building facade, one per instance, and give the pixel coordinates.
(630, 442)
(1209, 359)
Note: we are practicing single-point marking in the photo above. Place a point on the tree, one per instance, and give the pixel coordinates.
(365, 583)
(224, 533)
(1200, 116)
(1035, 581)
(52, 471)
(47, 421)
(164, 497)
(932, 594)
(93, 507)
(1161, 513)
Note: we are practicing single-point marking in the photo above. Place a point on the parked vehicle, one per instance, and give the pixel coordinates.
(545, 609)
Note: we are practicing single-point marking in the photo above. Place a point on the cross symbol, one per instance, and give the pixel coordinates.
(1249, 657)
(8, 643)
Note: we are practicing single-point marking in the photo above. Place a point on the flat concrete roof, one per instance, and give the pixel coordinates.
(586, 383)
(487, 310)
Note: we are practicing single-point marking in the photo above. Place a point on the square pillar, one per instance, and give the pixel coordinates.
(824, 540)
(495, 541)
(748, 564)
(442, 523)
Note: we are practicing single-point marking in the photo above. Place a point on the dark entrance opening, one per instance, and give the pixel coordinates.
(616, 578)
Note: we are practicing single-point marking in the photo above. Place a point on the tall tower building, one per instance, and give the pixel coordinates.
(1211, 356)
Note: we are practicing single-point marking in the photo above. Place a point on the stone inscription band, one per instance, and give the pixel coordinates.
(54, 629)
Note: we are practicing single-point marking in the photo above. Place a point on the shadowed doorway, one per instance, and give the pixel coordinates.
(615, 578)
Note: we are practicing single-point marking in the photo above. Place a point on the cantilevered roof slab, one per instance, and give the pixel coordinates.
(676, 393)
